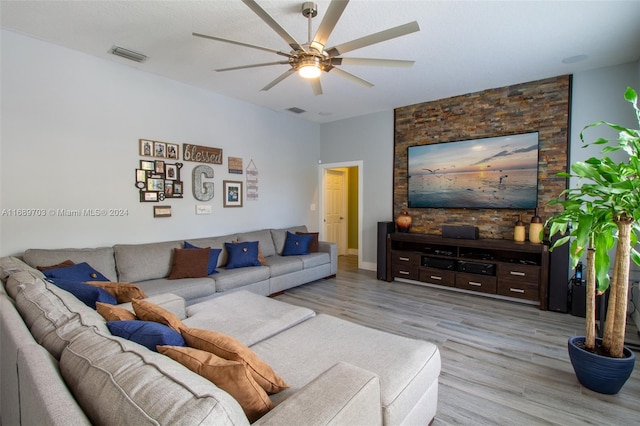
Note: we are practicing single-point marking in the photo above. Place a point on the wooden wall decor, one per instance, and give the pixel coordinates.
(201, 154)
(543, 106)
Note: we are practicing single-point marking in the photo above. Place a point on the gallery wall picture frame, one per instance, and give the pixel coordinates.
(173, 151)
(161, 211)
(232, 193)
(158, 180)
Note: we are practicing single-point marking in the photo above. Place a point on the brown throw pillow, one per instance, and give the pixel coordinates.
(189, 263)
(230, 376)
(114, 313)
(59, 265)
(314, 246)
(147, 311)
(230, 349)
(123, 292)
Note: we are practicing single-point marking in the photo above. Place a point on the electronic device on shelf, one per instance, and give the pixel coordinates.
(439, 263)
(478, 255)
(477, 267)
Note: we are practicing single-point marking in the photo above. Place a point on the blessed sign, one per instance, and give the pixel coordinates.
(201, 154)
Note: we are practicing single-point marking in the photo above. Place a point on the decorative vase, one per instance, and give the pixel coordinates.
(519, 230)
(403, 221)
(600, 373)
(535, 228)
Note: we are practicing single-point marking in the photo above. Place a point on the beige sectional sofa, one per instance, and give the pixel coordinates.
(61, 365)
(149, 265)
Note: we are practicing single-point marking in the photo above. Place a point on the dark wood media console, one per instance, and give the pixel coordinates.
(498, 267)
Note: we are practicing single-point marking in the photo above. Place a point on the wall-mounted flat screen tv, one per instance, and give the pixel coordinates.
(499, 172)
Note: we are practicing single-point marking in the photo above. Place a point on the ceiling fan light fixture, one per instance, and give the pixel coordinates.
(309, 71)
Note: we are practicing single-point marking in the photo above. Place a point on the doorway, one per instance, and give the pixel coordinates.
(340, 206)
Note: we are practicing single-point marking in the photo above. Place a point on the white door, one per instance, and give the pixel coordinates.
(335, 208)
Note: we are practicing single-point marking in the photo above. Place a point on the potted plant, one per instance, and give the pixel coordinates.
(603, 211)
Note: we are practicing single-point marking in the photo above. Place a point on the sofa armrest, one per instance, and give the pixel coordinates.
(342, 395)
(171, 302)
(332, 249)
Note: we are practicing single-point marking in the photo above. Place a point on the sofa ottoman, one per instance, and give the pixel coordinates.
(408, 369)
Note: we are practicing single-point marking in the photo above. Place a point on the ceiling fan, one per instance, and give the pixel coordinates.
(311, 58)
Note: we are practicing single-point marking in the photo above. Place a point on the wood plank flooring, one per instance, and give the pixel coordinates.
(503, 363)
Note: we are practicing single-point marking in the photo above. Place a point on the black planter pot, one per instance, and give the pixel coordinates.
(599, 373)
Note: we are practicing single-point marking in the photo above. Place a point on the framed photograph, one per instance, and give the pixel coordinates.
(159, 167)
(146, 148)
(161, 211)
(168, 188)
(232, 193)
(148, 196)
(177, 189)
(173, 151)
(160, 149)
(147, 165)
(141, 175)
(154, 184)
(171, 172)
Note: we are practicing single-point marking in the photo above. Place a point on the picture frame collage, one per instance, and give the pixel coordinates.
(158, 180)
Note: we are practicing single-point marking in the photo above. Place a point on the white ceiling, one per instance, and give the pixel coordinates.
(462, 47)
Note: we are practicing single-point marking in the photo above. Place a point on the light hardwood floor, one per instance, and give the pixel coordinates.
(503, 363)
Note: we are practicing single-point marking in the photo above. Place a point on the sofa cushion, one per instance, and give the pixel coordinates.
(119, 382)
(146, 333)
(255, 317)
(64, 264)
(213, 257)
(229, 279)
(315, 245)
(148, 311)
(216, 243)
(141, 262)
(86, 293)
(123, 292)
(263, 237)
(230, 376)
(79, 272)
(315, 259)
(54, 315)
(101, 258)
(296, 244)
(189, 263)
(280, 235)
(282, 265)
(11, 264)
(407, 368)
(231, 349)
(114, 313)
(187, 288)
(242, 254)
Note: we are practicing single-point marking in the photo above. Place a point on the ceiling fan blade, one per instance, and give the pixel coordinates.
(242, 67)
(329, 21)
(282, 76)
(351, 77)
(316, 86)
(273, 24)
(239, 43)
(372, 62)
(378, 37)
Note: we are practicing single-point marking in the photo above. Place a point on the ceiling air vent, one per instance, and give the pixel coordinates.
(296, 110)
(128, 54)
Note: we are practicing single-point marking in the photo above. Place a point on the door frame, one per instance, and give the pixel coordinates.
(323, 167)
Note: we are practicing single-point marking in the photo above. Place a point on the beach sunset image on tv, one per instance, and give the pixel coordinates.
(499, 172)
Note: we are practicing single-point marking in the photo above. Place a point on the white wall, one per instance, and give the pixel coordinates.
(368, 139)
(69, 140)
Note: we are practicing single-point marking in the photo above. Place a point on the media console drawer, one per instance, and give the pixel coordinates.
(483, 283)
(518, 289)
(438, 276)
(405, 265)
(524, 273)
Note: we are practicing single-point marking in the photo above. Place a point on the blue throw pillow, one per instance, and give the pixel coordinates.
(88, 294)
(79, 272)
(147, 333)
(296, 244)
(242, 254)
(213, 258)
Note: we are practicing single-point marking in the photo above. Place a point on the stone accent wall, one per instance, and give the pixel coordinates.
(542, 106)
